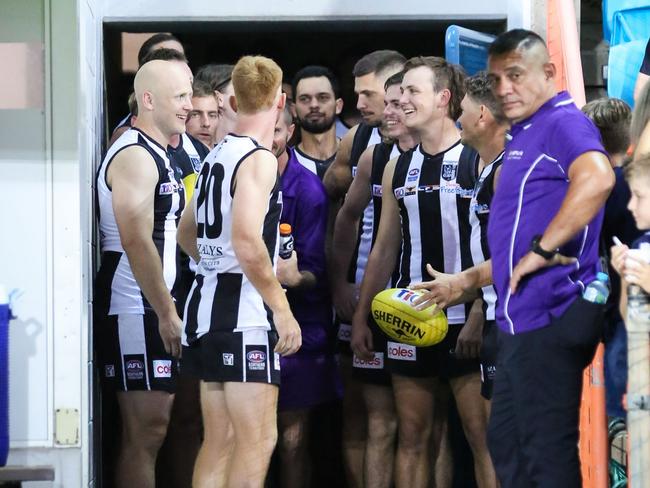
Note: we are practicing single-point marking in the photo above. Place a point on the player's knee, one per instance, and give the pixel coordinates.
(381, 429)
(292, 441)
(414, 434)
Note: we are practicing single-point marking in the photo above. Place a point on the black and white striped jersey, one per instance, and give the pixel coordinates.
(117, 291)
(478, 217)
(222, 298)
(433, 193)
(364, 137)
(381, 154)
(316, 166)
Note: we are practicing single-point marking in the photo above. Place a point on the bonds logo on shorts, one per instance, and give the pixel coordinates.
(162, 368)
(256, 359)
(228, 359)
(377, 361)
(345, 332)
(134, 369)
(449, 170)
(401, 352)
(109, 370)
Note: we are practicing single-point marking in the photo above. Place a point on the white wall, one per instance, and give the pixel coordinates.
(43, 249)
(283, 9)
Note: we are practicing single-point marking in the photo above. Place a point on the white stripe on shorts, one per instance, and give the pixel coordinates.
(132, 341)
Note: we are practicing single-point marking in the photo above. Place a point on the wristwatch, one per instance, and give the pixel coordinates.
(537, 249)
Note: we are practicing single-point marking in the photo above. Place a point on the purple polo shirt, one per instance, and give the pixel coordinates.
(305, 207)
(533, 183)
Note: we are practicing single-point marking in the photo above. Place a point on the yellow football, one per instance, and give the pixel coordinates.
(394, 312)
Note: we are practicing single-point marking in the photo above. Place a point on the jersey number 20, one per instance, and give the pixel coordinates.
(208, 201)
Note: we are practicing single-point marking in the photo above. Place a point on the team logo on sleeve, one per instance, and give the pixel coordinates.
(449, 170)
(196, 163)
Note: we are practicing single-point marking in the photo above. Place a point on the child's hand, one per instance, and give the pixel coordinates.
(637, 272)
(618, 258)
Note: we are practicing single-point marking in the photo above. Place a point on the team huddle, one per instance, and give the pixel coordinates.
(191, 193)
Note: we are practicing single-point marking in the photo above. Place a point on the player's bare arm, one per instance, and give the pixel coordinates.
(338, 176)
(254, 182)
(377, 271)
(186, 233)
(132, 176)
(590, 181)
(345, 237)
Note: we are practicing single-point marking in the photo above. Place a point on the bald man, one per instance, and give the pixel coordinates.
(141, 197)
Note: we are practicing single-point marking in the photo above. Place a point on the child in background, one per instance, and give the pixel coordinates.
(634, 267)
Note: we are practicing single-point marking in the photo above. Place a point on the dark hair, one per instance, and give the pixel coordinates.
(216, 75)
(479, 88)
(395, 79)
(151, 42)
(612, 116)
(445, 75)
(202, 89)
(514, 39)
(378, 62)
(314, 71)
(164, 54)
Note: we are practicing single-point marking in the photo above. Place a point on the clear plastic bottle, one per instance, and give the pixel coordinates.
(286, 241)
(598, 290)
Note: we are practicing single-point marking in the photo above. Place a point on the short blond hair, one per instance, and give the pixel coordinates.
(638, 168)
(256, 80)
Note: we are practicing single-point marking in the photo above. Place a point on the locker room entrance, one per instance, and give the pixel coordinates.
(293, 44)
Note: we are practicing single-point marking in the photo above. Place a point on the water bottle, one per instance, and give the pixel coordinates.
(286, 241)
(598, 290)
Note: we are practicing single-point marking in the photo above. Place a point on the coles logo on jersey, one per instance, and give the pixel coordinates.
(376, 190)
(256, 360)
(162, 368)
(377, 362)
(449, 171)
(134, 369)
(401, 352)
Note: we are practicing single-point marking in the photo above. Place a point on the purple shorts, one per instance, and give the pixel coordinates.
(308, 379)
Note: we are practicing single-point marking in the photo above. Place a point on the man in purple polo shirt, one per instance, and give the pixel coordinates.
(555, 180)
(309, 378)
(543, 235)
